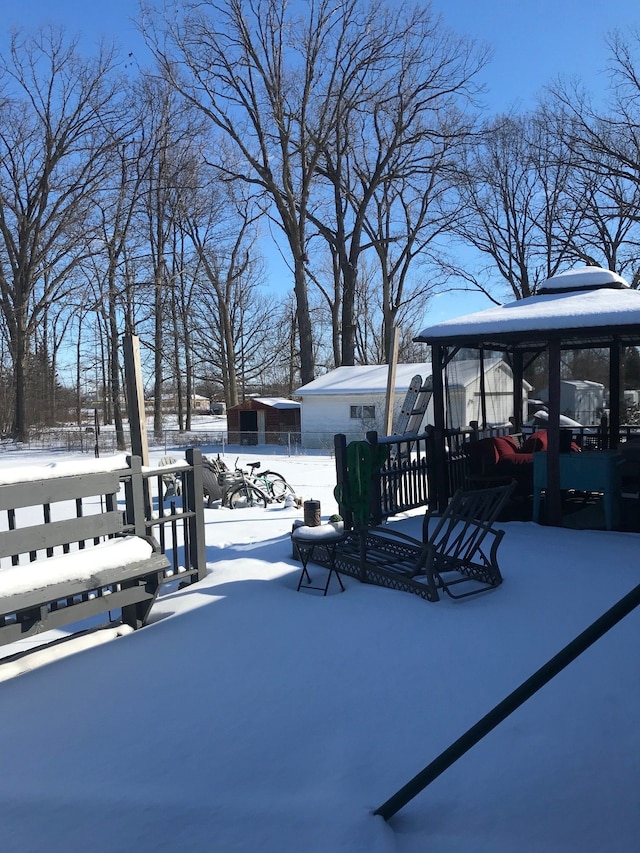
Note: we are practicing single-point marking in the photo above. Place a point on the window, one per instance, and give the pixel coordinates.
(362, 412)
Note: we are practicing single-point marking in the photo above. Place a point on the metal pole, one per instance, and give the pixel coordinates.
(483, 391)
(193, 497)
(517, 372)
(553, 497)
(441, 498)
(513, 701)
(615, 395)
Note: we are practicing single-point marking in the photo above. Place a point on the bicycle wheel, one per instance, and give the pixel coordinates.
(245, 495)
(278, 486)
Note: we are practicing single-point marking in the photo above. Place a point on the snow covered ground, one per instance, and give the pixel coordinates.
(248, 718)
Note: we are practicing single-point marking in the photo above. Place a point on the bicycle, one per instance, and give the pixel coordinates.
(274, 484)
(240, 490)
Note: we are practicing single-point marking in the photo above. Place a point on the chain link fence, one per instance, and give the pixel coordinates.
(104, 442)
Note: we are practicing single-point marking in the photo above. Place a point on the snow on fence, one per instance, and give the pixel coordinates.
(71, 548)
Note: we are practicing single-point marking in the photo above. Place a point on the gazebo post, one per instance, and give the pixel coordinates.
(517, 371)
(614, 395)
(553, 500)
(483, 390)
(439, 445)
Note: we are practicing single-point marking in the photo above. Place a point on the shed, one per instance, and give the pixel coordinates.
(578, 309)
(263, 420)
(580, 399)
(352, 400)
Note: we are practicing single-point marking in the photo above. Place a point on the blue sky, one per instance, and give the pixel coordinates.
(90, 18)
(533, 43)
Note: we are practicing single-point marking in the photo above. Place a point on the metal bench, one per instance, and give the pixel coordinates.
(79, 560)
(457, 554)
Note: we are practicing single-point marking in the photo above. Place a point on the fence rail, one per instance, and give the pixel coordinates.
(408, 478)
(402, 482)
(177, 519)
(88, 441)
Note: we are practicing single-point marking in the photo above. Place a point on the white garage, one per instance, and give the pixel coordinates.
(351, 400)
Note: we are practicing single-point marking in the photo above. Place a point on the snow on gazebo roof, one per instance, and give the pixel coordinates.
(588, 304)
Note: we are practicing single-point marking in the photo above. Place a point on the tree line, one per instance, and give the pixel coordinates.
(350, 137)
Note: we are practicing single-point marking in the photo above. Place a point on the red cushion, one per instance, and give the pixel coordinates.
(505, 445)
(536, 441)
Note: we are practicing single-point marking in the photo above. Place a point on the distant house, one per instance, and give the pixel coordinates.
(263, 420)
(351, 400)
(199, 404)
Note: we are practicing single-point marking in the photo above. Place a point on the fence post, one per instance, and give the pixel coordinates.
(432, 471)
(193, 499)
(375, 487)
(135, 497)
(340, 447)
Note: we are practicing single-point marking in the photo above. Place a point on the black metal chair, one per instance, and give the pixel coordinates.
(457, 556)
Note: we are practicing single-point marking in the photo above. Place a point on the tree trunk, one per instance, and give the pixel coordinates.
(305, 335)
(20, 429)
(349, 274)
(114, 379)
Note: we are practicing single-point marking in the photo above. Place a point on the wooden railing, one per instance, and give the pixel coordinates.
(407, 478)
(176, 521)
(399, 484)
(128, 549)
(402, 482)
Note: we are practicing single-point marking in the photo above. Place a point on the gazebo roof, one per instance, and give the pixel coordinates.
(589, 306)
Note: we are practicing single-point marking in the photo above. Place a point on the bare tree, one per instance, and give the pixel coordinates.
(605, 147)
(275, 83)
(219, 224)
(372, 346)
(173, 144)
(56, 129)
(610, 136)
(519, 216)
(115, 208)
(270, 82)
(397, 127)
(609, 233)
(407, 226)
(49, 340)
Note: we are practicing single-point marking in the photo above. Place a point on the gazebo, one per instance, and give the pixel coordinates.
(582, 308)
